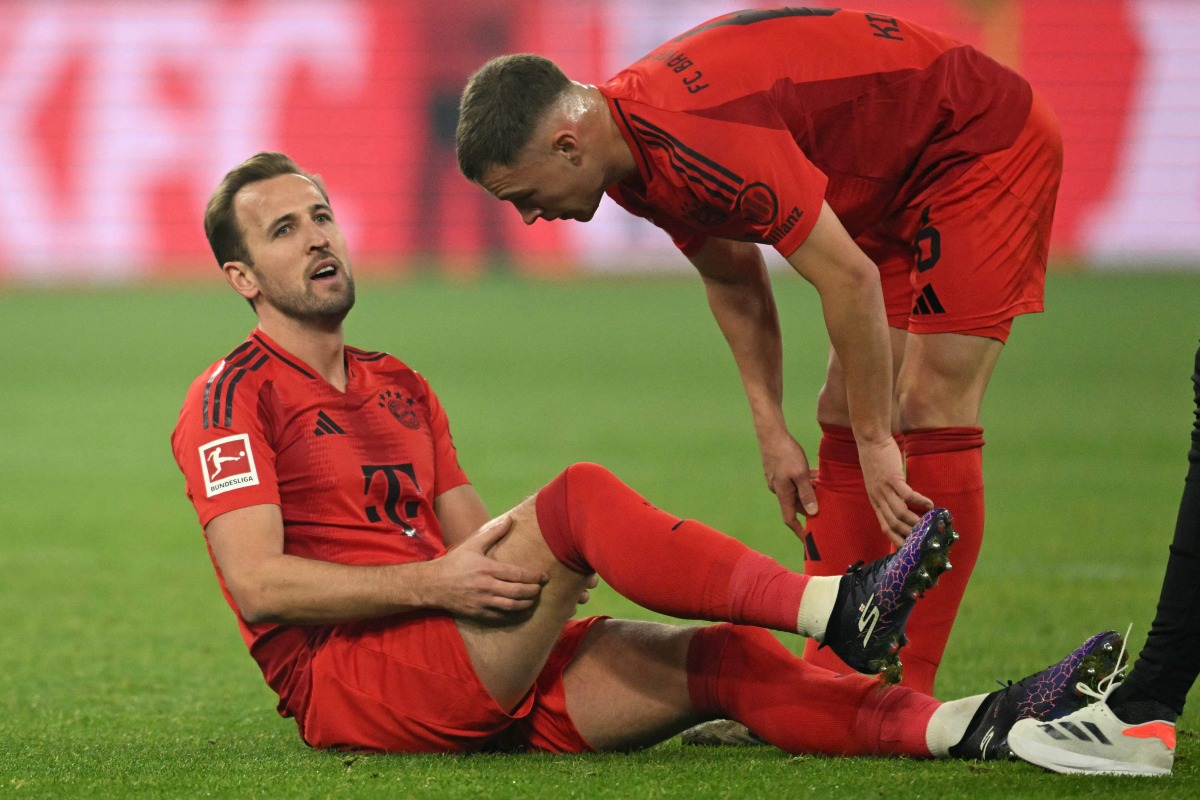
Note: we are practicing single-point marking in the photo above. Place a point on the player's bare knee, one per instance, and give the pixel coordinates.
(935, 401)
(831, 404)
(525, 546)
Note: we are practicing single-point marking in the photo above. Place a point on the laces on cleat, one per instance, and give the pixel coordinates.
(1047, 695)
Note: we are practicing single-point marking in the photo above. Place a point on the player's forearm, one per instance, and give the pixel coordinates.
(857, 325)
(749, 320)
(300, 591)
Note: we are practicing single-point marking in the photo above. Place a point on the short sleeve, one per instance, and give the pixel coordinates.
(222, 447)
(447, 471)
(782, 191)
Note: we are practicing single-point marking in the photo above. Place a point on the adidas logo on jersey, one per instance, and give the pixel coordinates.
(326, 425)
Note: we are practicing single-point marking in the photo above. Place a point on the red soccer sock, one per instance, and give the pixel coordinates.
(595, 523)
(945, 465)
(845, 529)
(745, 674)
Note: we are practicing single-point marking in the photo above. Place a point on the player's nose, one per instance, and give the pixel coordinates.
(318, 239)
(531, 215)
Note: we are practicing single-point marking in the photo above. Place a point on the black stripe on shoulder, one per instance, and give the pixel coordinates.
(238, 374)
(233, 385)
(650, 129)
(238, 357)
(208, 388)
(290, 363)
(757, 15)
(232, 367)
(359, 354)
(246, 359)
(641, 149)
(690, 173)
(241, 348)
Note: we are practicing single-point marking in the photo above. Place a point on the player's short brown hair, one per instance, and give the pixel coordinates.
(225, 236)
(501, 106)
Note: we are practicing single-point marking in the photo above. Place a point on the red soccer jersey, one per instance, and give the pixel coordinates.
(741, 126)
(355, 473)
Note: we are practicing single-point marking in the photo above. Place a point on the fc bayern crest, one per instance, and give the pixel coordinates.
(400, 406)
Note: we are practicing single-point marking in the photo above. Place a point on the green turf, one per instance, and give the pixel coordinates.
(121, 670)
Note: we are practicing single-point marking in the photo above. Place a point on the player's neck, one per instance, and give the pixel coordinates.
(320, 347)
(615, 153)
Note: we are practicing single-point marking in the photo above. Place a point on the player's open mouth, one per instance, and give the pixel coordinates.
(324, 272)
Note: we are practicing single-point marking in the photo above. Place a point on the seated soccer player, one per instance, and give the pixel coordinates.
(389, 613)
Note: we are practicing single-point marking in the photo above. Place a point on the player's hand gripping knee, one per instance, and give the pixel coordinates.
(891, 496)
(786, 469)
(472, 584)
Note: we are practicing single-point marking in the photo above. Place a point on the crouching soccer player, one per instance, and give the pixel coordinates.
(389, 614)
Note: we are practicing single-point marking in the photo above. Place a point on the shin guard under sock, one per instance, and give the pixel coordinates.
(945, 465)
(593, 522)
(845, 529)
(745, 674)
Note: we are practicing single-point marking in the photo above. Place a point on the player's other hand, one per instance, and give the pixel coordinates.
(891, 496)
(470, 583)
(586, 594)
(785, 467)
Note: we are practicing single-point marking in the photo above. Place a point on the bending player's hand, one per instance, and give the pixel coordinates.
(786, 469)
(470, 583)
(586, 594)
(891, 496)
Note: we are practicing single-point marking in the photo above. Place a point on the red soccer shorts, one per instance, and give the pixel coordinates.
(970, 254)
(407, 686)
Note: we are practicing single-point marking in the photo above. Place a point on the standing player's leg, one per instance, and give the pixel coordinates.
(846, 530)
(980, 241)
(941, 387)
(940, 391)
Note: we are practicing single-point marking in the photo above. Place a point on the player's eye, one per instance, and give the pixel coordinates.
(282, 230)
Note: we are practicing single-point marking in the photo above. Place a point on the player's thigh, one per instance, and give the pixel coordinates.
(627, 686)
(832, 406)
(944, 378)
(508, 657)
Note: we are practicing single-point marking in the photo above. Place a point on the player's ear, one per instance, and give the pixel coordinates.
(242, 278)
(567, 144)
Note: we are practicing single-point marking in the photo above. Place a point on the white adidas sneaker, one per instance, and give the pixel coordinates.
(1093, 740)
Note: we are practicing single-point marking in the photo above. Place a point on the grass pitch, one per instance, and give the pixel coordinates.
(121, 670)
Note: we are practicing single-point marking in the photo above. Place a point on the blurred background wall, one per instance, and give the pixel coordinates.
(118, 118)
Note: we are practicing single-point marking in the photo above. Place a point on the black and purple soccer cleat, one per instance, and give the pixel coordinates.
(1045, 695)
(866, 628)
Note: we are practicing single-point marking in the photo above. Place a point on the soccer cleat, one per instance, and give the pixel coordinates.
(1093, 740)
(720, 733)
(866, 627)
(1050, 694)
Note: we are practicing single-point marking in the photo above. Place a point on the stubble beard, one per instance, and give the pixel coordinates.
(305, 307)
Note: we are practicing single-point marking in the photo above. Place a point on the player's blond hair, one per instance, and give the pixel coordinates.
(501, 106)
(225, 236)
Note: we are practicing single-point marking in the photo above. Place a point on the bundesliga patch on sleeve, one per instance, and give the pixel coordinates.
(228, 464)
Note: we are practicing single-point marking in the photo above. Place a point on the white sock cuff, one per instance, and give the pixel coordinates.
(949, 724)
(816, 605)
